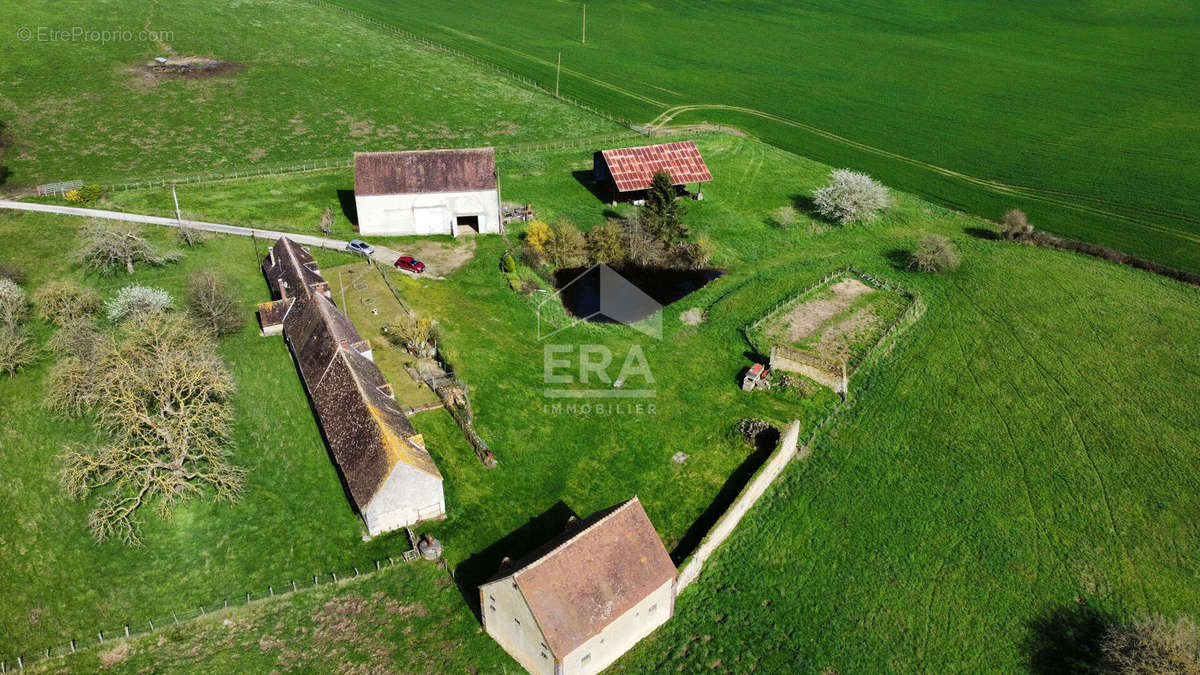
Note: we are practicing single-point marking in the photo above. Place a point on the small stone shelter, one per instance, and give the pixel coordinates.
(585, 598)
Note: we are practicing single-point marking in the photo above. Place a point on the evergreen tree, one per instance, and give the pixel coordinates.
(661, 214)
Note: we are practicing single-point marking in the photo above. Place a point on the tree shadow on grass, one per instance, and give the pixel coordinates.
(1067, 639)
(981, 233)
(484, 565)
(804, 204)
(899, 258)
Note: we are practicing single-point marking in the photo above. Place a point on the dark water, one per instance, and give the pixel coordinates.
(598, 295)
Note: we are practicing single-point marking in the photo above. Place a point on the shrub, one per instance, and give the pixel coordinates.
(79, 337)
(191, 237)
(326, 222)
(508, 264)
(13, 304)
(136, 302)
(16, 351)
(606, 243)
(784, 217)
(1153, 645)
(641, 247)
(851, 197)
(414, 333)
(536, 236)
(534, 256)
(213, 303)
(61, 302)
(935, 254)
(1014, 225)
(88, 194)
(691, 255)
(565, 247)
(13, 272)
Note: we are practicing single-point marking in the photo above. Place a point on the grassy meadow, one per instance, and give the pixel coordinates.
(308, 83)
(1026, 448)
(1074, 112)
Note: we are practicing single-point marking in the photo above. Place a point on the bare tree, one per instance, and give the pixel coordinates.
(326, 223)
(1153, 645)
(1014, 225)
(213, 303)
(160, 394)
(16, 350)
(109, 246)
(641, 247)
(935, 254)
(850, 197)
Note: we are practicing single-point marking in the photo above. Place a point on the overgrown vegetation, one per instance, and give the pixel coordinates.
(1153, 645)
(62, 301)
(213, 303)
(935, 253)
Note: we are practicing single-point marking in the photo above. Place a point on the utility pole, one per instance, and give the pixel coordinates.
(187, 235)
(557, 74)
(584, 40)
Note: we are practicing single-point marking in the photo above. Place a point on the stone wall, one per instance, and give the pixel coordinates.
(755, 489)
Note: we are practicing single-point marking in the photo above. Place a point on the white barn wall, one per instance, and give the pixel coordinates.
(508, 619)
(389, 215)
(622, 634)
(408, 496)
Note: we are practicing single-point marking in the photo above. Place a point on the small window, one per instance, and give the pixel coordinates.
(492, 607)
(491, 598)
(585, 659)
(653, 609)
(544, 655)
(516, 621)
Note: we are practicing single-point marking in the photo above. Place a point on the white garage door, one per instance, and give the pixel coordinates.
(430, 219)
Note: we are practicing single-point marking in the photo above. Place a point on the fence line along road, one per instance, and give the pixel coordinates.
(305, 239)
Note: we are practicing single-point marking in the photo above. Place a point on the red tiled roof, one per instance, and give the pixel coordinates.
(597, 575)
(633, 168)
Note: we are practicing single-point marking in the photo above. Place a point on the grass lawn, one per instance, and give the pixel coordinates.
(1028, 444)
(1075, 113)
(408, 618)
(312, 84)
(294, 521)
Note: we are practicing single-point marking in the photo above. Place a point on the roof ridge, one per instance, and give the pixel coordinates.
(570, 540)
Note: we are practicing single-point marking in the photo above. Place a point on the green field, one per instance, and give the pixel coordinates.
(314, 85)
(1077, 113)
(1027, 446)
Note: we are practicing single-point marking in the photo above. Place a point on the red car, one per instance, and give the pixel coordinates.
(407, 262)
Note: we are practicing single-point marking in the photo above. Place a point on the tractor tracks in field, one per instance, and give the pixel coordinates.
(1075, 201)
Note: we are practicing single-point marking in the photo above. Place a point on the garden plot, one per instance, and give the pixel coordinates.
(833, 324)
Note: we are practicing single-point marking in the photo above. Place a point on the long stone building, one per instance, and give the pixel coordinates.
(585, 598)
(388, 473)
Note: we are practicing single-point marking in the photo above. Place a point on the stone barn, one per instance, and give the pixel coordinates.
(387, 472)
(584, 599)
(427, 192)
(625, 173)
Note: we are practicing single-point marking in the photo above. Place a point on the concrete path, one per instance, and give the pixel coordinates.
(382, 254)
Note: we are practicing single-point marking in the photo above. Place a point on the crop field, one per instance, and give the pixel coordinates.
(304, 83)
(1071, 112)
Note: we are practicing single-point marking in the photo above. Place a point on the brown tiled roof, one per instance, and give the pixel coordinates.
(421, 171)
(633, 168)
(272, 313)
(292, 271)
(594, 574)
(367, 432)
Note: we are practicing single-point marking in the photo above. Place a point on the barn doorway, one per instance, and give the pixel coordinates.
(468, 225)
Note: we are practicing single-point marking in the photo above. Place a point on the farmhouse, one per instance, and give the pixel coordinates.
(626, 172)
(389, 475)
(427, 192)
(585, 598)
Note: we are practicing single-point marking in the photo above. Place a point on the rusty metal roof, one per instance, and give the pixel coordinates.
(599, 572)
(634, 168)
(423, 171)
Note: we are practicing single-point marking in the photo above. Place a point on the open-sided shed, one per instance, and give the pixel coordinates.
(628, 172)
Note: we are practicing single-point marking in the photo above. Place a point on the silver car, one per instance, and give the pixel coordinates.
(359, 246)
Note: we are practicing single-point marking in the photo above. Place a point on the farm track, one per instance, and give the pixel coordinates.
(1054, 197)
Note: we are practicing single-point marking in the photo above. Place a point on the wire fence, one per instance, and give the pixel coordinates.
(104, 635)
